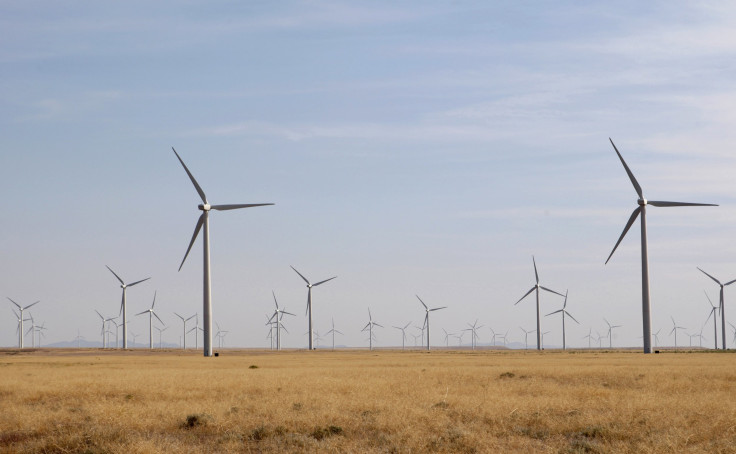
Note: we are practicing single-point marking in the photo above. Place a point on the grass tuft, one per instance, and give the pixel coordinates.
(196, 420)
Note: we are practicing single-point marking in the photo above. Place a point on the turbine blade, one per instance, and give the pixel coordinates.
(729, 282)
(628, 171)
(159, 319)
(236, 206)
(103, 318)
(19, 308)
(141, 313)
(322, 282)
(182, 318)
(200, 221)
(525, 295)
(420, 300)
(568, 314)
(438, 308)
(113, 272)
(657, 203)
(626, 229)
(33, 304)
(717, 281)
(536, 275)
(191, 177)
(555, 312)
(551, 291)
(288, 313)
(138, 282)
(300, 274)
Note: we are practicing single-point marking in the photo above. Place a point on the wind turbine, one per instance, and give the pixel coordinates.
(160, 333)
(536, 288)
(369, 326)
(589, 336)
(473, 333)
(526, 335)
(505, 335)
(309, 303)
(184, 333)
(333, 331)
(32, 330)
(656, 337)
(123, 305)
(403, 334)
(494, 336)
(278, 314)
(610, 332)
(196, 330)
(426, 316)
(21, 320)
(734, 333)
(674, 329)
(546, 332)
(78, 338)
(102, 330)
(421, 329)
(722, 304)
(151, 314)
(715, 323)
(447, 338)
(203, 221)
(642, 209)
(564, 313)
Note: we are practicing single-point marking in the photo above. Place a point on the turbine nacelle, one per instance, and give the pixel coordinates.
(204, 206)
(642, 201)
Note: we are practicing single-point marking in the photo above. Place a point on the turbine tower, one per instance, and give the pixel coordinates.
(564, 313)
(712, 313)
(369, 326)
(642, 209)
(722, 305)
(21, 320)
(278, 314)
(333, 331)
(526, 336)
(675, 328)
(426, 316)
(536, 288)
(203, 221)
(123, 305)
(309, 303)
(151, 313)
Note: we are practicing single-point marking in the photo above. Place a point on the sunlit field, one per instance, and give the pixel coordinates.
(361, 401)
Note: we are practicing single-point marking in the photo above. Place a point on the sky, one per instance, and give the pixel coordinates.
(410, 148)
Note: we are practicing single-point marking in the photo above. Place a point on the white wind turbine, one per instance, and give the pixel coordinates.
(656, 337)
(473, 333)
(674, 329)
(642, 209)
(536, 288)
(21, 320)
(278, 314)
(160, 336)
(333, 331)
(526, 337)
(459, 338)
(32, 329)
(369, 326)
(196, 330)
(610, 332)
(722, 305)
(590, 336)
(546, 332)
(203, 221)
(123, 305)
(426, 316)
(184, 333)
(102, 330)
(447, 338)
(78, 338)
(715, 322)
(734, 333)
(504, 337)
(151, 313)
(403, 334)
(309, 303)
(564, 313)
(220, 334)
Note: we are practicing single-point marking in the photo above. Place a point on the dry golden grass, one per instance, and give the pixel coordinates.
(359, 401)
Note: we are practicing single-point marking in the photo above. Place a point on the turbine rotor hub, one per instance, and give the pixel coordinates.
(204, 206)
(642, 201)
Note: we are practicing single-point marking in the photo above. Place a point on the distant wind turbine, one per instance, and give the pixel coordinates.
(473, 333)
(123, 305)
(21, 320)
(184, 330)
(403, 334)
(447, 337)
(642, 209)
(589, 336)
(715, 318)
(564, 313)
(151, 313)
(536, 288)
(309, 303)
(610, 332)
(526, 336)
(369, 327)
(160, 334)
(426, 316)
(203, 221)
(674, 329)
(333, 331)
(722, 305)
(278, 314)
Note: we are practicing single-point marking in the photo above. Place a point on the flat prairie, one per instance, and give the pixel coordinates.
(361, 402)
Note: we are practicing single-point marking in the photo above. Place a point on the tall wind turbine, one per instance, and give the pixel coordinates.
(196, 330)
(526, 336)
(590, 336)
(184, 334)
(426, 316)
(333, 331)
(715, 318)
(278, 314)
(369, 326)
(675, 328)
(610, 332)
(160, 334)
(564, 313)
(722, 304)
(151, 313)
(123, 305)
(102, 330)
(642, 209)
(203, 221)
(20, 320)
(536, 288)
(473, 333)
(309, 303)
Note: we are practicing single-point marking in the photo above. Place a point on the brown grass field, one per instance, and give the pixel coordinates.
(359, 401)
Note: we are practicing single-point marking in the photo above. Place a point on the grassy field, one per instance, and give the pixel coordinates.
(360, 401)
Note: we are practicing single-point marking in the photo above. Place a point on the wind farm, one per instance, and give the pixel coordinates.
(407, 150)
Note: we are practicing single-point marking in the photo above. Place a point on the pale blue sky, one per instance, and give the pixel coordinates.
(413, 148)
